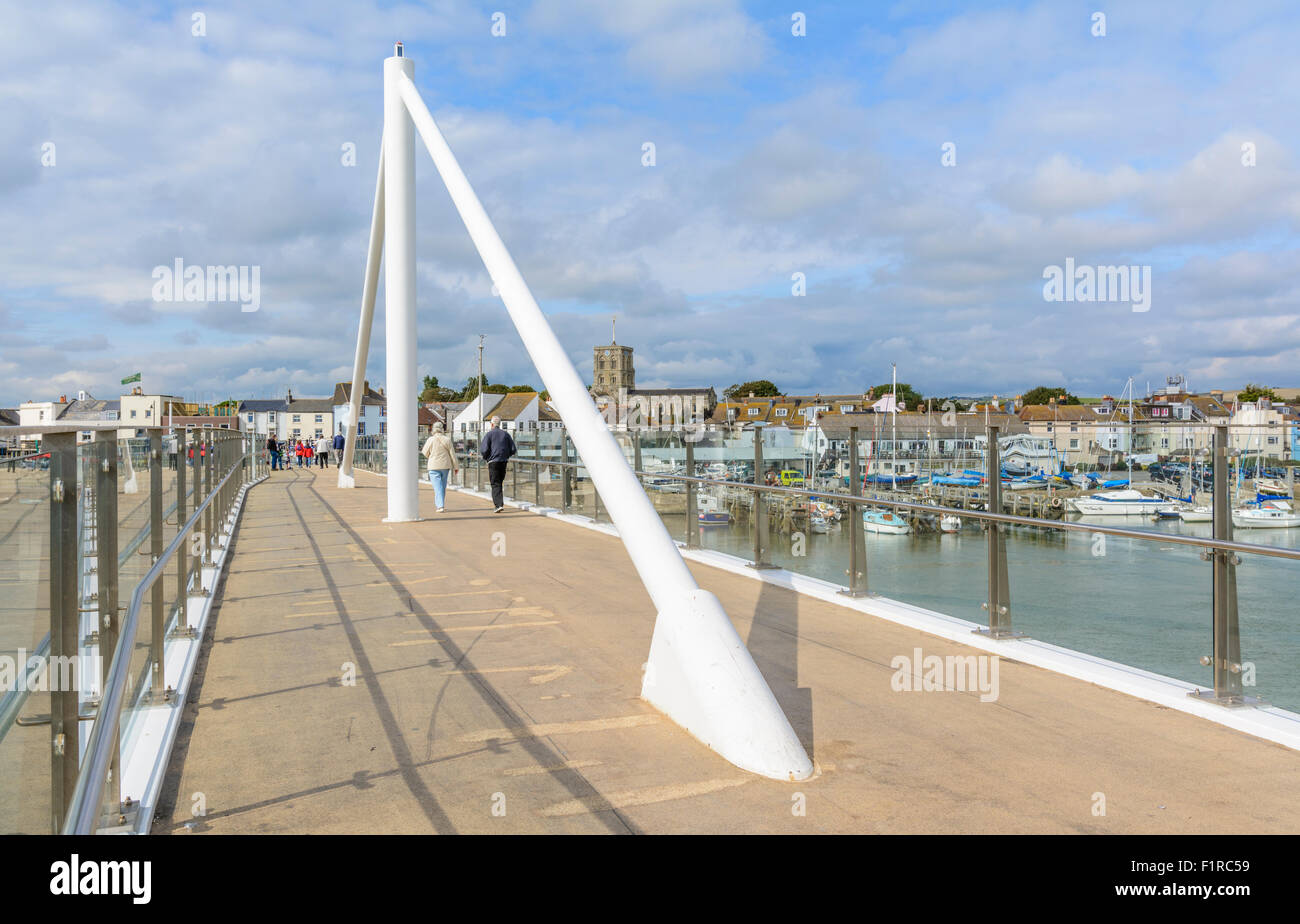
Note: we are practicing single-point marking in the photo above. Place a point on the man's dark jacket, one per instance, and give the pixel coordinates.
(497, 446)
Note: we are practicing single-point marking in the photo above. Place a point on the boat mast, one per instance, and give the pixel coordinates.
(1130, 431)
(893, 438)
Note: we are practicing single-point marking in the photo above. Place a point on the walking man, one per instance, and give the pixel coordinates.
(323, 452)
(340, 441)
(496, 448)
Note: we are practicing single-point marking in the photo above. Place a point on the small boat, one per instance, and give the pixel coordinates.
(964, 480)
(828, 512)
(893, 480)
(1271, 488)
(1120, 503)
(1276, 514)
(711, 511)
(949, 523)
(880, 521)
(818, 524)
(1024, 484)
(1196, 515)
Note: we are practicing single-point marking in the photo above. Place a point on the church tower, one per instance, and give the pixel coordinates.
(611, 367)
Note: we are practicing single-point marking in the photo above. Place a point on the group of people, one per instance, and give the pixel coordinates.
(305, 451)
(496, 447)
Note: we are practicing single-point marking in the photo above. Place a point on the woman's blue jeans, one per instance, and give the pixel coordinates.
(438, 478)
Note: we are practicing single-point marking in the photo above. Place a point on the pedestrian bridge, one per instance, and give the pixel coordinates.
(480, 672)
(291, 662)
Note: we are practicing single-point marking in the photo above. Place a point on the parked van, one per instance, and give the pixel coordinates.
(791, 478)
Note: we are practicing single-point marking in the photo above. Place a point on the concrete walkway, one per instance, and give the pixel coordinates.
(497, 670)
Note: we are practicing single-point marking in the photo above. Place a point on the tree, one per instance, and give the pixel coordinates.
(1255, 392)
(759, 388)
(1044, 394)
(432, 391)
(907, 395)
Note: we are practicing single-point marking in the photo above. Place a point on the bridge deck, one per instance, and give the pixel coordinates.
(490, 683)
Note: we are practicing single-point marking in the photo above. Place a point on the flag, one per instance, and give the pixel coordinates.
(131, 378)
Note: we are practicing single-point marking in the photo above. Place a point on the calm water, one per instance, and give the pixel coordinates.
(1145, 604)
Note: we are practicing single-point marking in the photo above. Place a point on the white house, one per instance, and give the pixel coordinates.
(374, 410)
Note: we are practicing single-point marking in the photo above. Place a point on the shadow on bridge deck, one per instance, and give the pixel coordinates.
(497, 671)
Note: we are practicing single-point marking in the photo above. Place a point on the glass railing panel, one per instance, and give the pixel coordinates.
(1267, 605)
(24, 625)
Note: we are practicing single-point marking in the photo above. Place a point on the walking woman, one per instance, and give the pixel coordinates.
(441, 453)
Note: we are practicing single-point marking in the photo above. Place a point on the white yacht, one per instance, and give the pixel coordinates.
(1121, 503)
(1275, 514)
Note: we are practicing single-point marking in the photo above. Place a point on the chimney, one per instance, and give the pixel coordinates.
(289, 400)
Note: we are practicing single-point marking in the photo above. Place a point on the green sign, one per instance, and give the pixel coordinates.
(131, 378)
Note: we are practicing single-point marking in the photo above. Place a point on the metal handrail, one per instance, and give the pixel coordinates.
(1012, 519)
(7, 460)
(85, 806)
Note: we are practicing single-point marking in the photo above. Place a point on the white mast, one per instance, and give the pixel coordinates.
(893, 437)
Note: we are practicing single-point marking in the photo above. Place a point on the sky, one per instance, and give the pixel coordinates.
(921, 165)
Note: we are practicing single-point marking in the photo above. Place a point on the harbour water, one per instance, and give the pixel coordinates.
(1144, 604)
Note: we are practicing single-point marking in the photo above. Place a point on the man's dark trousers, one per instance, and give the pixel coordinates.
(497, 477)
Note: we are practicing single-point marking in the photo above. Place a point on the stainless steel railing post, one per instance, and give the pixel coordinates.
(106, 583)
(65, 567)
(999, 588)
(537, 470)
(156, 637)
(565, 495)
(857, 564)
(692, 508)
(1225, 640)
(759, 507)
(183, 555)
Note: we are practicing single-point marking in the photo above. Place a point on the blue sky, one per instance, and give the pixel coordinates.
(775, 154)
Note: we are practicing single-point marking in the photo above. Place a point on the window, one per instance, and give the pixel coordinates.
(148, 412)
(361, 428)
(250, 418)
(297, 431)
(319, 433)
(297, 418)
(320, 418)
(383, 410)
(132, 413)
(782, 411)
(1074, 444)
(846, 409)
(271, 416)
(383, 427)
(753, 412)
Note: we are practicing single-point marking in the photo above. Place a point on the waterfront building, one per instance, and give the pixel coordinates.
(466, 423)
(374, 409)
(91, 410)
(919, 436)
(307, 418)
(1259, 426)
(262, 416)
